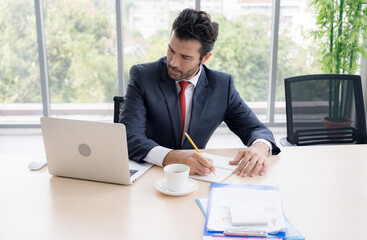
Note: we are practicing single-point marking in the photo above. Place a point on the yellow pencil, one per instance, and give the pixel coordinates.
(193, 144)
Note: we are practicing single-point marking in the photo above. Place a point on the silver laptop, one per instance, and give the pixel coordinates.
(89, 150)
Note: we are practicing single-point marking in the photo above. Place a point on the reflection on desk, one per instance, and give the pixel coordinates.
(323, 188)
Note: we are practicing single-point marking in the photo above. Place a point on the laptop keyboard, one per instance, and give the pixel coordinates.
(133, 171)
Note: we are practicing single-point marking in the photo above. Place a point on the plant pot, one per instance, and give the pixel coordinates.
(332, 124)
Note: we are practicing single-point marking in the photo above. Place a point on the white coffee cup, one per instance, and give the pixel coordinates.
(176, 176)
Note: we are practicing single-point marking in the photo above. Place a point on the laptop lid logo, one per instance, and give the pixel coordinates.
(84, 150)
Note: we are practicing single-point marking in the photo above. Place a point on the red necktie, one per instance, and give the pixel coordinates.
(183, 85)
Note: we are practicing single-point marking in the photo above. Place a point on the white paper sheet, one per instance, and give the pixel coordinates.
(222, 199)
(223, 169)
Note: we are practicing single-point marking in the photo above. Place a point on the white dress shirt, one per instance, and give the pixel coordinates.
(157, 154)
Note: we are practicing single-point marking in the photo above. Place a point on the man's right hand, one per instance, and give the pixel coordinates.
(198, 163)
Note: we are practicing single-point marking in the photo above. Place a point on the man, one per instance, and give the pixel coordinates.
(154, 100)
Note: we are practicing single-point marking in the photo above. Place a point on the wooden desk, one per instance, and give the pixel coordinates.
(324, 192)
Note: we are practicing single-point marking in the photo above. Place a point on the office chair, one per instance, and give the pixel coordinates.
(118, 101)
(310, 98)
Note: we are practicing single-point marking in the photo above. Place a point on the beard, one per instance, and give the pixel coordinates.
(179, 75)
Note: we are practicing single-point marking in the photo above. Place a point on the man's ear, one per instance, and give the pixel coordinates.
(206, 57)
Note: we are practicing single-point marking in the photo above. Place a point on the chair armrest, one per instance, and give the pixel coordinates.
(284, 142)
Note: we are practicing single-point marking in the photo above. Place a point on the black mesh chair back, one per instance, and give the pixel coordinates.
(117, 101)
(312, 99)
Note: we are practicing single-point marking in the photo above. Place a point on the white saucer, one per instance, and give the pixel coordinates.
(161, 185)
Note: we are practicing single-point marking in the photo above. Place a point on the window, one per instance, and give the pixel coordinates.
(85, 67)
(81, 57)
(243, 47)
(146, 40)
(296, 52)
(20, 89)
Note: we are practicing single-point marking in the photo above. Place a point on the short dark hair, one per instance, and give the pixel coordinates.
(192, 24)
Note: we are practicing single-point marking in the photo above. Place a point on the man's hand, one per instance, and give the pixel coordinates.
(198, 163)
(253, 160)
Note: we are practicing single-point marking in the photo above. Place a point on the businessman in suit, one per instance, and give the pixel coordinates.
(178, 94)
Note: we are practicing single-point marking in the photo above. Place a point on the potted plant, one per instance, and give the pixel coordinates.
(342, 27)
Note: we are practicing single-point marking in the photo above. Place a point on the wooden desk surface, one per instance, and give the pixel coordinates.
(324, 193)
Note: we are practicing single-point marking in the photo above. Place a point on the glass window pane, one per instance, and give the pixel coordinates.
(20, 89)
(82, 57)
(242, 48)
(296, 52)
(147, 26)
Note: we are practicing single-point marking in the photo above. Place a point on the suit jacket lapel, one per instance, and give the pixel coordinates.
(169, 90)
(199, 104)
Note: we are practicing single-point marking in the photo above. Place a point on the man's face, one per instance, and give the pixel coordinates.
(183, 58)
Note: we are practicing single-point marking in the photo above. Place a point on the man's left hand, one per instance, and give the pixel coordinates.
(253, 160)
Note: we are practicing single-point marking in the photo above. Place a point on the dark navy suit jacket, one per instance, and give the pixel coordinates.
(151, 111)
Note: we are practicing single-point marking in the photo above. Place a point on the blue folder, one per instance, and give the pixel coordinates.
(290, 233)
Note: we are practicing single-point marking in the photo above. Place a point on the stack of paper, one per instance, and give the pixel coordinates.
(224, 197)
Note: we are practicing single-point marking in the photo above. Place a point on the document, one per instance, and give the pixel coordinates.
(223, 197)
(222, 166)
(291, 232)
